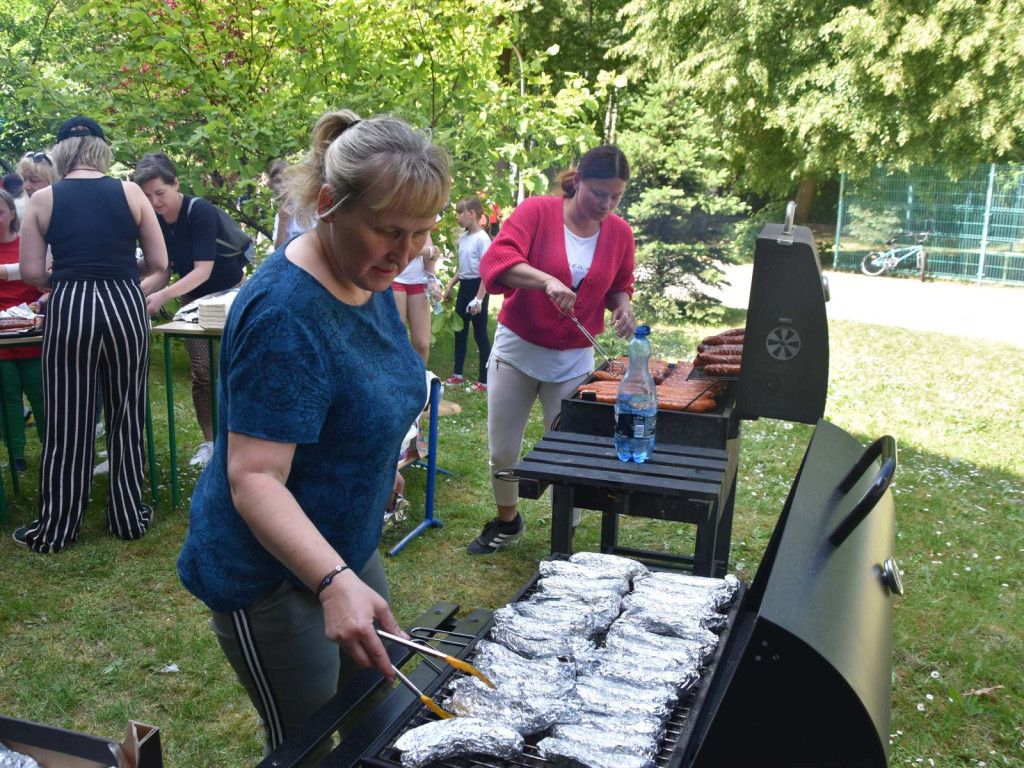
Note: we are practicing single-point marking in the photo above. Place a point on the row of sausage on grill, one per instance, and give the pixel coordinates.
(717, 355)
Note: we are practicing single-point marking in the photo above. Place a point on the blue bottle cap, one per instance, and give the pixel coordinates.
(642, 330)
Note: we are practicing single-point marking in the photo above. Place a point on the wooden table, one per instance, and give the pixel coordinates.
(181, 330)
(30, 340)
(677, 483)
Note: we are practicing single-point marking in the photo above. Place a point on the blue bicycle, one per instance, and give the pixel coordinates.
(880, 262)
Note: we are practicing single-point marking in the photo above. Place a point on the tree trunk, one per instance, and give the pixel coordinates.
(804, 200)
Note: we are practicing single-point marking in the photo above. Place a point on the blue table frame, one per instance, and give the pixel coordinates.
(430, 521)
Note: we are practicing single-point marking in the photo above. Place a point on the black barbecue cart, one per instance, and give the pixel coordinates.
(802, 674)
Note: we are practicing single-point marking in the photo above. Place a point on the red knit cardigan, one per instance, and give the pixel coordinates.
(534, 234)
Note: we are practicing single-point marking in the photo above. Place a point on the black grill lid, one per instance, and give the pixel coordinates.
(806, 678)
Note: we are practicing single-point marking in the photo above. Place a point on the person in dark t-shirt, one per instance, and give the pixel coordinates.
(189, 226)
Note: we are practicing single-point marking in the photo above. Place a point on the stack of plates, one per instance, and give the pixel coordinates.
(213, 310)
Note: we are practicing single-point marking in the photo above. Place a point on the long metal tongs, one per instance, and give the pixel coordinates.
(465, 666)
(597, 345)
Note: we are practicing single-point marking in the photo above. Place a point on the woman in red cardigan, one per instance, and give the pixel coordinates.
(554, 257)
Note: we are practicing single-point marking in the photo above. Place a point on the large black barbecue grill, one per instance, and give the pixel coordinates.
(801, 675)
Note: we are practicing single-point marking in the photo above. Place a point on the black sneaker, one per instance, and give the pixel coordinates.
(20, 465)
(497, 535)
(21, 536)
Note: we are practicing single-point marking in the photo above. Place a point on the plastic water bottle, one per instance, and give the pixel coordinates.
(435, 303)
(636, 406)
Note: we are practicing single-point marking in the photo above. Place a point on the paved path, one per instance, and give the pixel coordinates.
(974, 311)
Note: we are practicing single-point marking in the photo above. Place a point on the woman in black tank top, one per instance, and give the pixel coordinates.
(96, 330)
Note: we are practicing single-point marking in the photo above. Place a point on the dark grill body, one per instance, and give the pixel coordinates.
(801, 675)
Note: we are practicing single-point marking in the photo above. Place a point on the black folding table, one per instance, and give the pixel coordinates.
(678, 483)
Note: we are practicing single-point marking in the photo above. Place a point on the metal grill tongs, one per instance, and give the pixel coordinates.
(422, 647)
(609, 360)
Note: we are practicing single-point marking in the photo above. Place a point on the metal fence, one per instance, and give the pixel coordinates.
(975, 220)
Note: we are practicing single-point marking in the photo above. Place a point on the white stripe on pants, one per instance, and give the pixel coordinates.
(510, 397)
(280, 652)
(96, 330)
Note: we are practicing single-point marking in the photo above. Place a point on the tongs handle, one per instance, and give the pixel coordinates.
(465, 666)
(428, 702)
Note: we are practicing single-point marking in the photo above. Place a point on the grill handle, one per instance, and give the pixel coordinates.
(885, 447)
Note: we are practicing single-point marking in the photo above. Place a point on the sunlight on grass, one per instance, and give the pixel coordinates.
(88, 633)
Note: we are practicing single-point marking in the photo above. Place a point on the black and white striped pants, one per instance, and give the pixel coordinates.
(96, 330)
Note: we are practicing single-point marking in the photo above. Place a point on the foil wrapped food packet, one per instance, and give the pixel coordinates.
(575, 585)
(632, 724)
(723, 591)
(563, 750)
(441, 739)
(606, 605)
(614, 697)
(576, 621)
(628, 569)
(626, 635)
(587, 571)
(11, 759)
(600, 612)
(604, 740)
(673, 614)
(526, 710)
(644, 670)
(537, 639)
(502, 665)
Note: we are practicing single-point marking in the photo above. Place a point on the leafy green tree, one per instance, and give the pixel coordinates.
(224, 86)
(679, 202)
(805, 89)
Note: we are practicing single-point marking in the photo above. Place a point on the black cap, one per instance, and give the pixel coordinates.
(13, 183)
(79, 126)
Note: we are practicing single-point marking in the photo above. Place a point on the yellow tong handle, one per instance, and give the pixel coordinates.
(430, 704)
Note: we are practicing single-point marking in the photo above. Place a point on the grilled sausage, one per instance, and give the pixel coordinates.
(722, 369)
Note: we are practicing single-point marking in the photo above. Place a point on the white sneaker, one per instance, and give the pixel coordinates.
(102, 468)
(203, 455)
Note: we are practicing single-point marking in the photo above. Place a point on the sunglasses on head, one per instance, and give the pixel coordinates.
(38, 157)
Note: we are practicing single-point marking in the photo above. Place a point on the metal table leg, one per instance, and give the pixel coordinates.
(151, 448)
(213, 391)
(3, 501)
(15, 483)
(170, 419)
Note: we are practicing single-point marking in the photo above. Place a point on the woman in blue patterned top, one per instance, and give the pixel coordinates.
(318, 386)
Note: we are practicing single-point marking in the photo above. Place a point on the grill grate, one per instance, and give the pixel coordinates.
(389, 757)
(677, 730)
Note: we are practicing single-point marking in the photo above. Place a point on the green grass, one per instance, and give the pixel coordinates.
(88, 633)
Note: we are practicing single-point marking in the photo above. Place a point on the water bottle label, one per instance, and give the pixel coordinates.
(635, 425)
